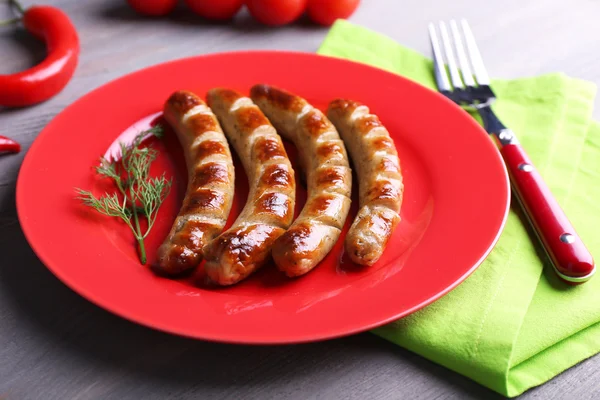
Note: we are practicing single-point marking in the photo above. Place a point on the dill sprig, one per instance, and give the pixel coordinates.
(139, 195)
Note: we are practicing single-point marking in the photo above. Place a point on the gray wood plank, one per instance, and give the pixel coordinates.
(56, 345)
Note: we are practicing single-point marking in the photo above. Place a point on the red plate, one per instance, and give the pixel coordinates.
(455, 205)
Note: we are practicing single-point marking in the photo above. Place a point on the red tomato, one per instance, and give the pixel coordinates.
(276, 12)
(215, 9)
(153, 7)
(325, 12)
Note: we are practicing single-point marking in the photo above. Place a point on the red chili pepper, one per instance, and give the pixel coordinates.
(9, 145)
(48, 78)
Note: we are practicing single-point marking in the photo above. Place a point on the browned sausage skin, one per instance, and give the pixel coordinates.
(269, 209)
(381, 188)
(329, 179)
(209, 194)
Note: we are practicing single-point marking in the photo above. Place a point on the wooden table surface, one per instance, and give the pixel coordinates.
(56, 345)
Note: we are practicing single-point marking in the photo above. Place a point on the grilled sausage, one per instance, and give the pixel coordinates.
(269, 209)
(381, 188)
(209, 194)
(329, 179)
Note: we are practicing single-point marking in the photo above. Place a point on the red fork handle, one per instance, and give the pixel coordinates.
(570, 258)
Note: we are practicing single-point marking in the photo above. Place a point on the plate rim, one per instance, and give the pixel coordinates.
(118, 311)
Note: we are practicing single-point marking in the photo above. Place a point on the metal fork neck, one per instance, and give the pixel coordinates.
(492, 125)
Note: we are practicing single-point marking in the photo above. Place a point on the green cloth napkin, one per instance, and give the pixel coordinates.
(512, 324)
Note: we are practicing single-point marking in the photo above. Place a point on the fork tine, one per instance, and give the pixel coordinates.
(465, 68)
(438, 62)
(454, 74)
(478, 68)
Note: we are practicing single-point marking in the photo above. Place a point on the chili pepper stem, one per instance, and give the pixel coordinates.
(49, 77)
(9, 21)
(17, 5)
(20, 9)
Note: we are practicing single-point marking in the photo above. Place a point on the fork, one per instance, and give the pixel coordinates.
(470, 88)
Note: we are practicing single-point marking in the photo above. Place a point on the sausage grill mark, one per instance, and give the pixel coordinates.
(323, 158)
(379, 175)
(268, 212)
(209, 194)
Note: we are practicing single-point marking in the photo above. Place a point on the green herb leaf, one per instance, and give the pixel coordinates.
(142, 195)
(108, 204)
